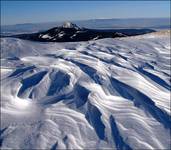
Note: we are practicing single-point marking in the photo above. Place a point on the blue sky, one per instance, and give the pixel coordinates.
(14, 12)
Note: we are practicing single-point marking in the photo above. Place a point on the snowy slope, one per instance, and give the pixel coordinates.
(109, 93)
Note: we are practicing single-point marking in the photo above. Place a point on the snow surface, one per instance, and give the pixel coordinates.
(109, 93)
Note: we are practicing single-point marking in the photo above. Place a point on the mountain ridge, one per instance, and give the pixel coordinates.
(70, 32)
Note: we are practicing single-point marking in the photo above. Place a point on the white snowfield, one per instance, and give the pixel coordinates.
(104, 94)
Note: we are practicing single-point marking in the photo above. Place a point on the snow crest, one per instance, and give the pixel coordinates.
(110, 93)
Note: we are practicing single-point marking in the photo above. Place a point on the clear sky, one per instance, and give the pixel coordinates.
(14, 12)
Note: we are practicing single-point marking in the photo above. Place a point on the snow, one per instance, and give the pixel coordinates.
(73, 36)
(108, 93)
(46, 36)
(61, 34)
(96, 38)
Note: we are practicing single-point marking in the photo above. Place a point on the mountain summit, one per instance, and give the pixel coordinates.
(68, 24)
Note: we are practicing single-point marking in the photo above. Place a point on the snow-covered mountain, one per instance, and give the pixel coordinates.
(108, 93)
(70, 32)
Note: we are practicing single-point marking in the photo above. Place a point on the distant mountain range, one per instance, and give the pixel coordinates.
(153, 23)
(70, 32)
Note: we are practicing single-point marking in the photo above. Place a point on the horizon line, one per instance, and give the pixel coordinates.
(86, 20)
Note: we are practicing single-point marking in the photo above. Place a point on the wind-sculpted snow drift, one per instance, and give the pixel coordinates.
(109, 93)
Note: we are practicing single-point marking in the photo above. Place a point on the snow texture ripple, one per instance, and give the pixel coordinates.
(109, 93)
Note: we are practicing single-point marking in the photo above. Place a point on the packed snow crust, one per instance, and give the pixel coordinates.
(109, 93)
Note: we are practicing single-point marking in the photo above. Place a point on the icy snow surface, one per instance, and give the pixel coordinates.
(109, 93)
